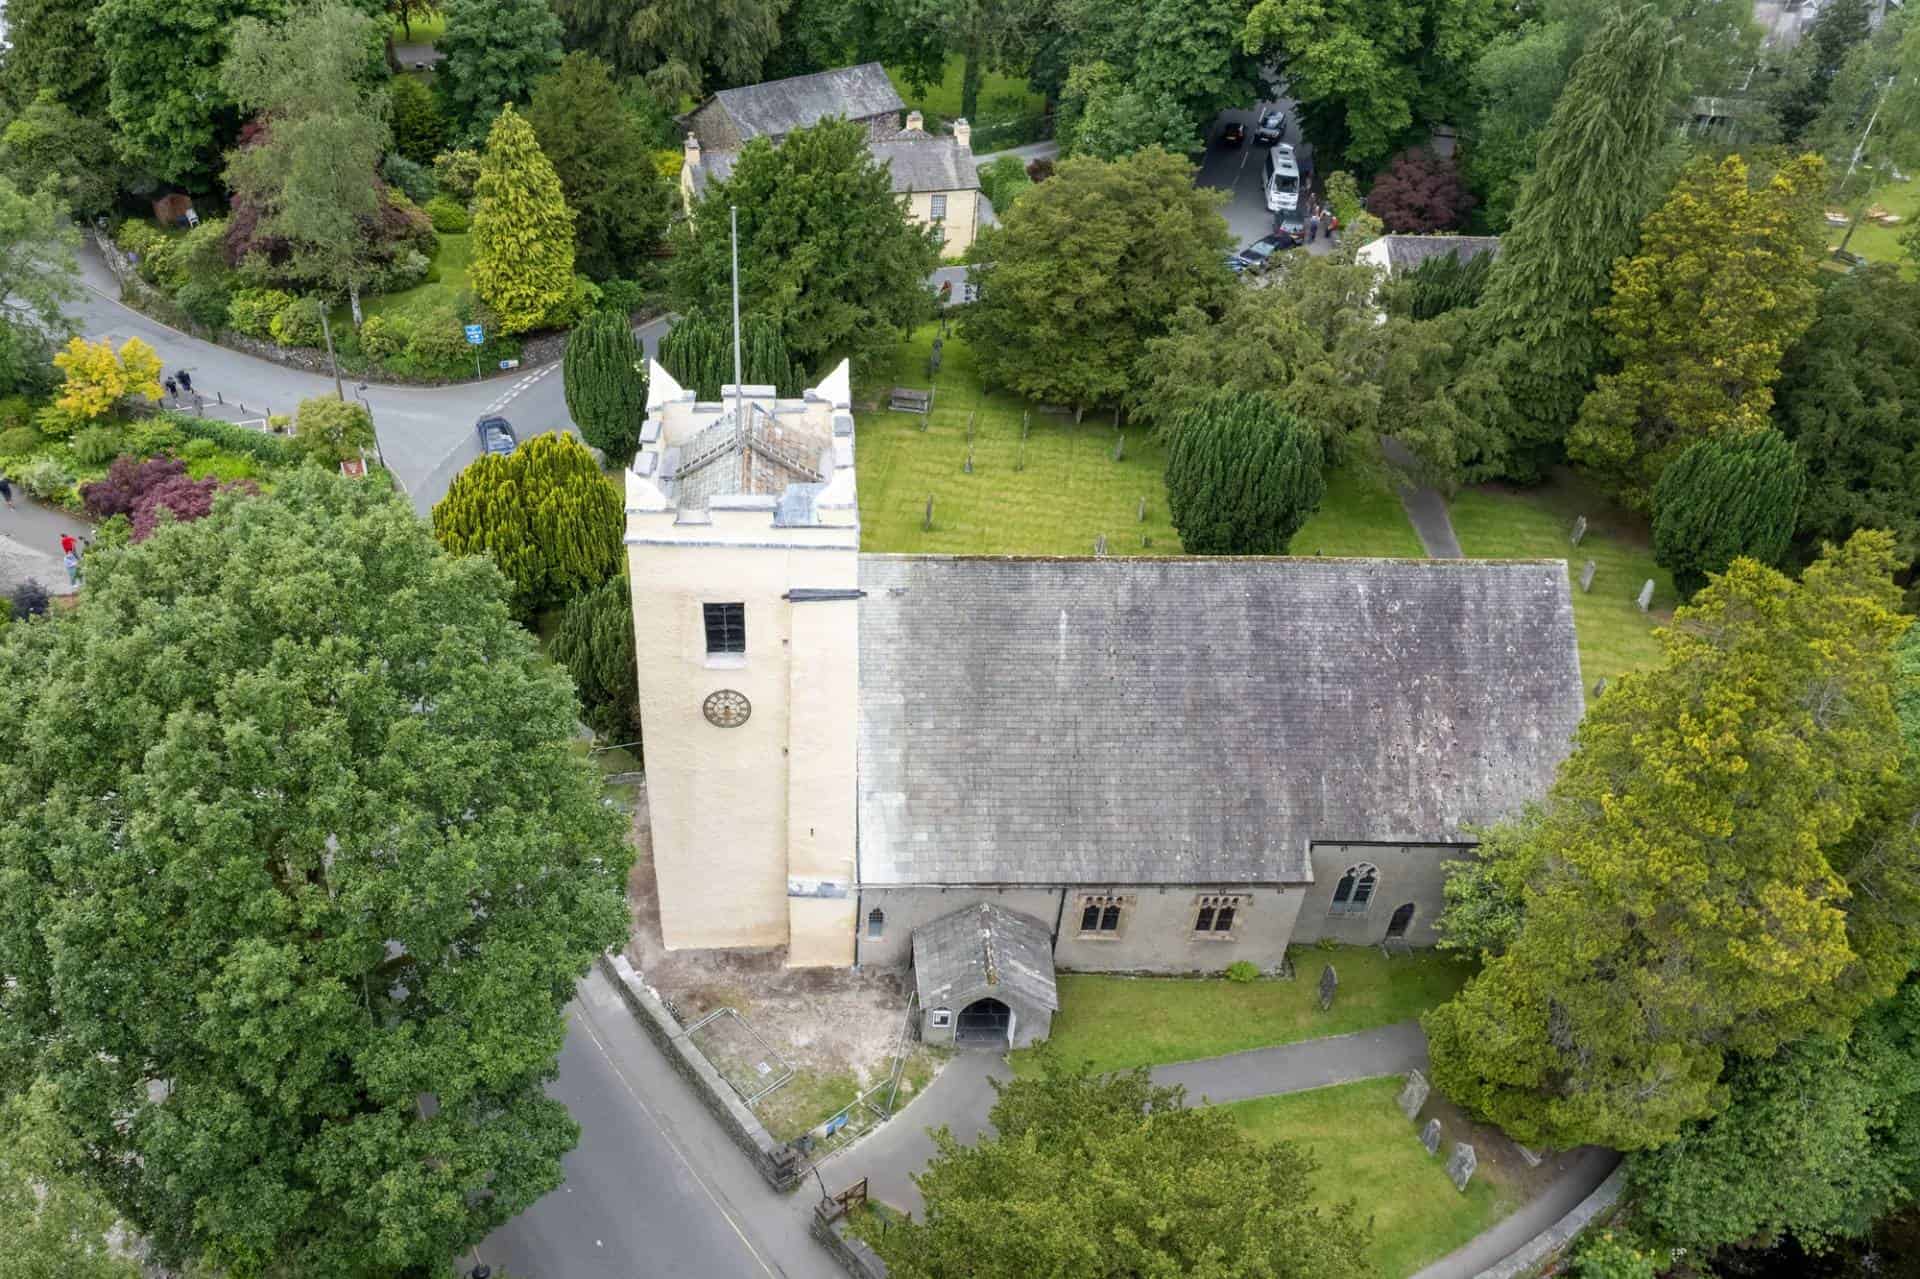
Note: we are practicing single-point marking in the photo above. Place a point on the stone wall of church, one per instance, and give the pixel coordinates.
(1155, 931)
(1407, 875)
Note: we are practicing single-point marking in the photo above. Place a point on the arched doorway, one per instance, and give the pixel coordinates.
(983, 1023)
(1401, 921)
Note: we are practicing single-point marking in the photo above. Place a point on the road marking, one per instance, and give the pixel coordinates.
(674, 1146)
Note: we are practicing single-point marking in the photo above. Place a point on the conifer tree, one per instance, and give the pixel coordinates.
(1578, 211)
(1723, 498)
(522, 230)
(1242, 475)
(698, 351)
(605, 377)
(1701, 318)
(544, 513)
(595, 643)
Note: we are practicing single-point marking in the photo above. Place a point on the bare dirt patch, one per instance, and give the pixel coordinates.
(838, 1029)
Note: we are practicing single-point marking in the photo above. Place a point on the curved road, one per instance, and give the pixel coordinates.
(426, 432)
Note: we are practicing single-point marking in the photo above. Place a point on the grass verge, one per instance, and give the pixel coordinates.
(1117, 1023)
(1361, 516)
(1001, 96)
(1369, 1155)
(1879, 243)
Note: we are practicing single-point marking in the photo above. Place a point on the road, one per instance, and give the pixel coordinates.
(653, 1189)
(1237, 171)
(426, 432)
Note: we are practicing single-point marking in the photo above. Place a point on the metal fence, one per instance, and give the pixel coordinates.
(746, 1061)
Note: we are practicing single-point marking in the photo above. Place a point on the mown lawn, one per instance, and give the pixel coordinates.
(1117, 1023)
(453, 259)
(1873, 241)
(1369, 1154)
(425, 30)
(1068, 490)
(997, 94)
(1615, 636)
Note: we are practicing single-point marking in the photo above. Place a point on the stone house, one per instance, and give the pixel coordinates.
(934, 176)
(1120, 764)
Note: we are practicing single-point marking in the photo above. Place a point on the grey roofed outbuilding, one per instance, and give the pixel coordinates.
(1406, 252)
(1198, 721)
(779, 107)
(714, 166)
(983, 951)
(920, 162)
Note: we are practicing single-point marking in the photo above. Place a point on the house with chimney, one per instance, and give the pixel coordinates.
(933, 175)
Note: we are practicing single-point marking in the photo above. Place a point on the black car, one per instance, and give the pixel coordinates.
(1256, 256)
(1291, 226)
(1272, 126)
(496, 435)
(1234, 134)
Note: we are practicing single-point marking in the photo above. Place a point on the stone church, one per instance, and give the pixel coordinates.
(997, 764)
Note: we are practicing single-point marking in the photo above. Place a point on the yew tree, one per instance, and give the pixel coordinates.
(1726, 497)
(604, 375)
(1725, 863)
(698, 352)
(1111, 1176)
(1701, 317)
(300, 875)
(1242, 475)
(544, 513)
(594, 642)
(522, 229)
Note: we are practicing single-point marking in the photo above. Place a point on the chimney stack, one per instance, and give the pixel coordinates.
(693, 152)
(916, 123)
(963, 134)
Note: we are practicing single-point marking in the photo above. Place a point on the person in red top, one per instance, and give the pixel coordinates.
(68, 546)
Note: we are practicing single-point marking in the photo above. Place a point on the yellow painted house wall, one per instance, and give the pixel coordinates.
(962, 222)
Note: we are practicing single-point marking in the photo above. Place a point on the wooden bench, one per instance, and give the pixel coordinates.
(907, 400)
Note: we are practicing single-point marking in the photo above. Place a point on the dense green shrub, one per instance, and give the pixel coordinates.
(274, 450)
(154, 435)
(448, 215)
(624, 296)
(30, 599)
(1003, 180)
(15, 410)
(605, 378)
(383, 337)
(438, 342)
(96, 446)
(413, 179)
(112, 533)
(698, 352)
(1445, 283)
(46, 479)
(408, 270)
(595, 643)
(137, 236)
(456, 172)
(198, 450)
(298, 323)
(332, 430)
(419, 126)
(252, 311)
(1242, 475)
(19, 441)
(1723, 499)
(1242, 970)
(1606, 1254)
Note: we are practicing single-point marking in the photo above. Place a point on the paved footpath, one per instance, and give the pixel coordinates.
(30, 543)
(1425, 507)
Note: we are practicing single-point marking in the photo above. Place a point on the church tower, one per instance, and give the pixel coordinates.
(743, 541)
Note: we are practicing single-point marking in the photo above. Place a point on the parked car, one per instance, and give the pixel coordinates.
(1234, 134)
(1272, 126)
(1291, 226)
(1256, 257)
(496, 436)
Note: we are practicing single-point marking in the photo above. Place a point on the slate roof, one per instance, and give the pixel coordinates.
(984, 950)
(921, 162)
(781, 106)
(714, 166)
(1198, 721)
(1405, 252)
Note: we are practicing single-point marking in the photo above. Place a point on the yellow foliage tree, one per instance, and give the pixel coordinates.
(97, 379)
(522, 230)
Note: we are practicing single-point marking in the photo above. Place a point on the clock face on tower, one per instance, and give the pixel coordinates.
(727, 709)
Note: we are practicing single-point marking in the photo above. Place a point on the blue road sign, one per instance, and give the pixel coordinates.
(475, 335)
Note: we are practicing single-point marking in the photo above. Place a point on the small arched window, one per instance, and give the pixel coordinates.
(1355, 889)
(876, 922)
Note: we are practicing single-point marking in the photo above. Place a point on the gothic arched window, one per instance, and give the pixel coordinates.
(876, 922)
(1355, 890)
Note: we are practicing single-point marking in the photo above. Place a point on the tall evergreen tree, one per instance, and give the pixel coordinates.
(698, 352)
(1578, 211)
(1701, 317)
(1725, 497)
(1242, 475)
(684, 48)
(594, 642)
(522, 229)
(53, 48)
(495, 51)
(620, 201)
(1816, 60)
(605, 378)
(544, 513)
(1719, 868)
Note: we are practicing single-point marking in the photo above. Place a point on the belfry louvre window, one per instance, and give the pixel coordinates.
(1355, 890)
(726, 627)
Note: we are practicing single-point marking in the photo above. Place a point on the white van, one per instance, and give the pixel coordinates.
(1283, 180)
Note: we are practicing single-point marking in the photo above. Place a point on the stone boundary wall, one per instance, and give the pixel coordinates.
(1532, 1257)
(858, 1260)
(781, 1165)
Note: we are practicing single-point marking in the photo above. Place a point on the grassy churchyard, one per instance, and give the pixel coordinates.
(1368, 1154)
(1063, 489)
(1117, 1023)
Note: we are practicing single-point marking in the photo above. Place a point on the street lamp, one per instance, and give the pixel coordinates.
(359, 393)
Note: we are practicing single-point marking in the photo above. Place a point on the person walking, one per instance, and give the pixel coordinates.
(1313, 225)
(73, 568)
(186, 383)
(6, 491)
(173, 388)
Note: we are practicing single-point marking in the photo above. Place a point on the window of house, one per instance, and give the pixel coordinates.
(1100, 916)
(1214, 916)
(1355, 889)
(876, 922)
(726, 627)
(939, 207)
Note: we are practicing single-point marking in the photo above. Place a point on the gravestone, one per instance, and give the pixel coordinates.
(1646, 596)
(1329, 983)
(1586, 575)
(1533, 1157)
(926, 522)
(1100, 545)
(967, 467)
(1430, 1136)
(1579, 529)
(1414, 1095)
(1461, 1166)
(1120, 449)
(1140, 516)
(1600, 686)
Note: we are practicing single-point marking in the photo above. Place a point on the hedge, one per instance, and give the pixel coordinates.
(275, 450)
